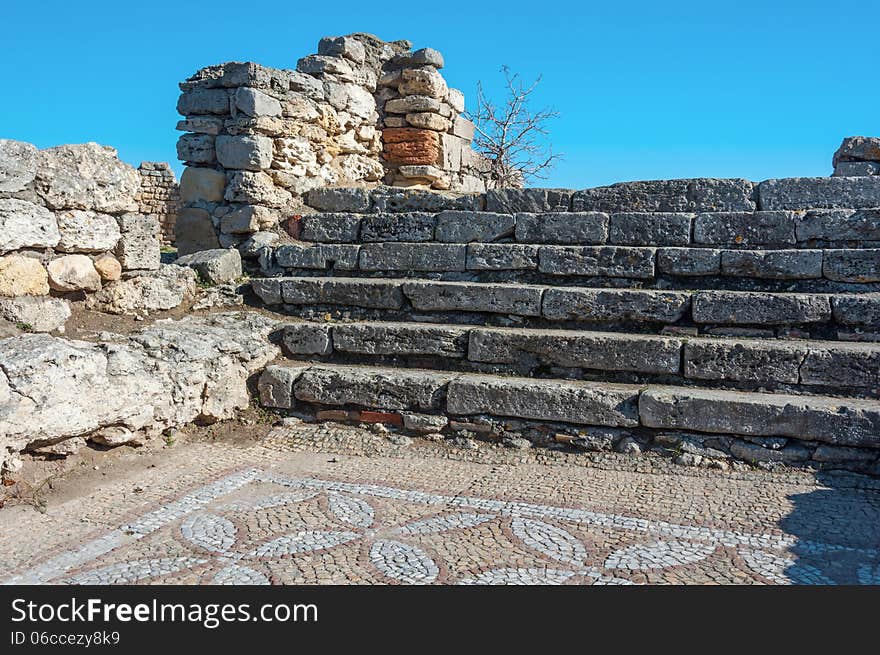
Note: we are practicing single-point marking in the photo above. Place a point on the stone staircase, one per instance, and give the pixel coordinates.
(710, 318)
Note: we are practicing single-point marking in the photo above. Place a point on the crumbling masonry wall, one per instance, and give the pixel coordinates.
(159, 197)
(361, 112)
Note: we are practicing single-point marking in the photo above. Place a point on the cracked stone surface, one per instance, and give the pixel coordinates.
(324, 503)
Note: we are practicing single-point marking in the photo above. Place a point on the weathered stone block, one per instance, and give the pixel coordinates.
(374, 388)
(518, 299)
(422, 82)
(857, 310)
(852, 265)
(772, 264)
(603, 351)
(857, 148)
(412, 257)
(256, 103)
(754, 361)
(276, 385)
(392, 199)
(248, 219)
(255, 188)
(834, 420)
(86, 231)
(39, 314)
(217, 266)
(18, 165)
(513, 201)
(268, 290)
(202, 184)
(565, 228)
(203, 101)
(839, 225)
(397, 227)
(820, 192)
(689, 261)
(307, 339)
(856, 168)
(196, 148)
(329, 199)
(763, 228)
(401, 339)
(605, 261)
(194, 231)
(583, 403)
(322, 256)
(842, 365)
(464, 227)
(251, 153)
(650, 229)
(694, 195)
(757, 308)
(501, 256)
(331, 228)
(357, 292)
(73, 273)
(615, 305)
(26, 225)
(22, 276)
(138, 245)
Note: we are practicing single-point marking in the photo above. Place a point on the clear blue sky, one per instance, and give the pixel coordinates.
(646, 89)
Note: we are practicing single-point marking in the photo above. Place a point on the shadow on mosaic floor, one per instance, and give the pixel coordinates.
(838, 532)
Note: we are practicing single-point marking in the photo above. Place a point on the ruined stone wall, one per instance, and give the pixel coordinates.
(858, 156)
(159, 197)
(69, 225)
(361, 112)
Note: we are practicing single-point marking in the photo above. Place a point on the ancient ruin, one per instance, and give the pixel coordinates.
(715, 319)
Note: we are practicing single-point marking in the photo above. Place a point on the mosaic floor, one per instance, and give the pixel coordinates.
(297, 518)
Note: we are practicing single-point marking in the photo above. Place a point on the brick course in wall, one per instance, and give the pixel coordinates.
(160, 197)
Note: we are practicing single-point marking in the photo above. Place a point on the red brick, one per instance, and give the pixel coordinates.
(381, 417)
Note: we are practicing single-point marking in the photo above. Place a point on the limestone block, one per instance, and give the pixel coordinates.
(581, 228)
(857, 310)
(108, 267)
(319, 256)
(422, 57)
(762, 228)
(772, 264)
(842, 365)
(373, 388)
(356, 292)
(342, 46)
(216, 266)
(194, 231)
(856, 168)
(251, 153)
(860, 266)
(463, 128)
(203, 101)
(849, 422)
(412, 257)
(839, 225)
(307, 339)
(571, 402)
(331, 228)
(605, 261)
(650, 229)
(148, 291)
(689, 261)
(428, 121)
(73, 273)
(615, 305)
(857, 148)
(758, 308)
(820, 192)
(455, 98)
(26, 225)
(518, 299)
(514, 201)
(276, 385)
(202, 184)
(759, 362)
(397, 227)
(22, 276)
(18, 165)
(410, 104)
(501, 257)
(329, 199)
(688, 195)
(138, 245)
(401, 339)
(86, 231)
(256, 103)
(464, 227)
(248, 219)
(422, 82)
(201, 125)
(255, 188)
(39, 314)
(196, 148)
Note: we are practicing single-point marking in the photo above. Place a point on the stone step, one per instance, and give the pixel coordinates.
(542, 304)
(786, 229)
(747, 363)
(835, 267)
(836, 421)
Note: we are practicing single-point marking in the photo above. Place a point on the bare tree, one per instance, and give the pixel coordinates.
(511, 136)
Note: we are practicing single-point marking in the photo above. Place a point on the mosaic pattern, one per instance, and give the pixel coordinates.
(262, 527)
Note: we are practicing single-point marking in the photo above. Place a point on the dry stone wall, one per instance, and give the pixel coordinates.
(69, 225)
(857, 156)
(159, 197)
(360, 112)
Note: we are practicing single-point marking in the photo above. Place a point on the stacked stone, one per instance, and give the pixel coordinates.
(258, 138)
(159, 197)
(68, 225)
(858, 156)
(427, 141)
